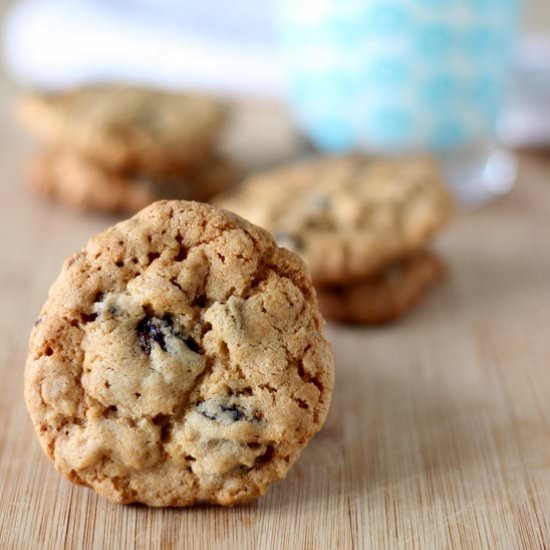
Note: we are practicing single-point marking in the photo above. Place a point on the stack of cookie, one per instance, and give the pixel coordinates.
(361, 225)
(117, 149)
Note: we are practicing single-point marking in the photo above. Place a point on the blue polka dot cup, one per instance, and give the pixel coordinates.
(397, 75)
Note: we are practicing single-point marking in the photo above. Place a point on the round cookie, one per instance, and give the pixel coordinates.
(83, 184)
(124, 127)
(383, 297)
(179, 359)
(346, 216)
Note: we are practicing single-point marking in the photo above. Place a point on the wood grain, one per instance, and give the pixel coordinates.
(439, 432)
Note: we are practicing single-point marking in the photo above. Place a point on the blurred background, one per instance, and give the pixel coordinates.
(38, 29)
(309, 56)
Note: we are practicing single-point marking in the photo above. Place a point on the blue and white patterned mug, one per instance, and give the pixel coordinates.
(397, 75)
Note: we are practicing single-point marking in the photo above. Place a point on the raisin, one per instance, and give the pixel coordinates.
(154, 330)
(235, 412)
(149, 330)
(88, 317)
(188, 341)
(220, 412)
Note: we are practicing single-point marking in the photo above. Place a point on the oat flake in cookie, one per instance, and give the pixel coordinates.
(179, 359)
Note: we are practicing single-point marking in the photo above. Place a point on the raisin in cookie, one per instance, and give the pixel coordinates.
(346, 216)
(83, 184)
(385, 296)
(123, 127)
(179, 359)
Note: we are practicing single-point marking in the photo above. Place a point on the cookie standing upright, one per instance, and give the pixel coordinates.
(179, 359)
(346, 216)
(123, 127)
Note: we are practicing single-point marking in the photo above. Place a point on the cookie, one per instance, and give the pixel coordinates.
(123, 127)
(179, 359)
(383, 297)
(346, 216)
(83, 184)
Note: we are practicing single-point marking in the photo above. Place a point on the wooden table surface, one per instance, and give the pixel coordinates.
(439, 431)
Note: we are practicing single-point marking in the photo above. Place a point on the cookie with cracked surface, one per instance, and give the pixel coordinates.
(346, 216)
(179, 359)
(126, 127)
(85, 185)
(383, 297)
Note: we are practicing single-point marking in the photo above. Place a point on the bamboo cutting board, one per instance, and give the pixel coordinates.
(439, 431)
